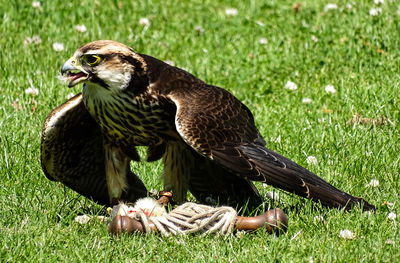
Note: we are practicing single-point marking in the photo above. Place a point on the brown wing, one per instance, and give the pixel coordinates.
(220, 127)
(207, 180)
(212, 183)
(72, 153)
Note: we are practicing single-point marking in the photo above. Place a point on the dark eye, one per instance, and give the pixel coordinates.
(91, 59)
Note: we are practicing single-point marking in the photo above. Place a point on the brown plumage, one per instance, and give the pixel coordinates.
(206, 137)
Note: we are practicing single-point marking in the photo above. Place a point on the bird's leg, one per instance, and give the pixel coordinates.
(178, 161)
(117, 164)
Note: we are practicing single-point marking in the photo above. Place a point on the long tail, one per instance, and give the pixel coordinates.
(294, 178)
(258, 163)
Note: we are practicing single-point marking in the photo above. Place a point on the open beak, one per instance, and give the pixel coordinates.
(73, 71)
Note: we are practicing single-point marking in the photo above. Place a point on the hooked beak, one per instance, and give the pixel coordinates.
(73, 71)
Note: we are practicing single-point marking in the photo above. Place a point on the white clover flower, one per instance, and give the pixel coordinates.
(314, 38)
(263, 41)
(33, 40)
(373, 183)
(144, 21)
(205, 50)
(36, 39)
(35, 4)
(375, 11)
(330, 89)
(378, 2)
(80, 28)
(346, 234)
(170, 62)
(349, 6)
(32, 91)
(28, 41)
(84, 219)
(291, 85)
(306, 100)
(231, 12)
(58, 46)
(330, 6)
(311, 160)
(199, 29)
(392, 216)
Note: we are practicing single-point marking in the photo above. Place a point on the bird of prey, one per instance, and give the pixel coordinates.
(205, 136)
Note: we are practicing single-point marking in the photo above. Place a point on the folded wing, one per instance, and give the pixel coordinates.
(218, 126)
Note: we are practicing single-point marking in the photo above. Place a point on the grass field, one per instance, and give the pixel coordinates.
(253, 52)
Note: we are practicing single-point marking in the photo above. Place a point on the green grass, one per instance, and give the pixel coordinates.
(356, 53)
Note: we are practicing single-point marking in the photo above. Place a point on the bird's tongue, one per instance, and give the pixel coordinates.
(78, 75)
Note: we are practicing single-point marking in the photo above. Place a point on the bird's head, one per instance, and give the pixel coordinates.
(105, 63)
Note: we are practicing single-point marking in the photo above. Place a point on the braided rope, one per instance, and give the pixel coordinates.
(190, 218)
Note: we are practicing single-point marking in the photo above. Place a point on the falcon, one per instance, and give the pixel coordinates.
(206, 138)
